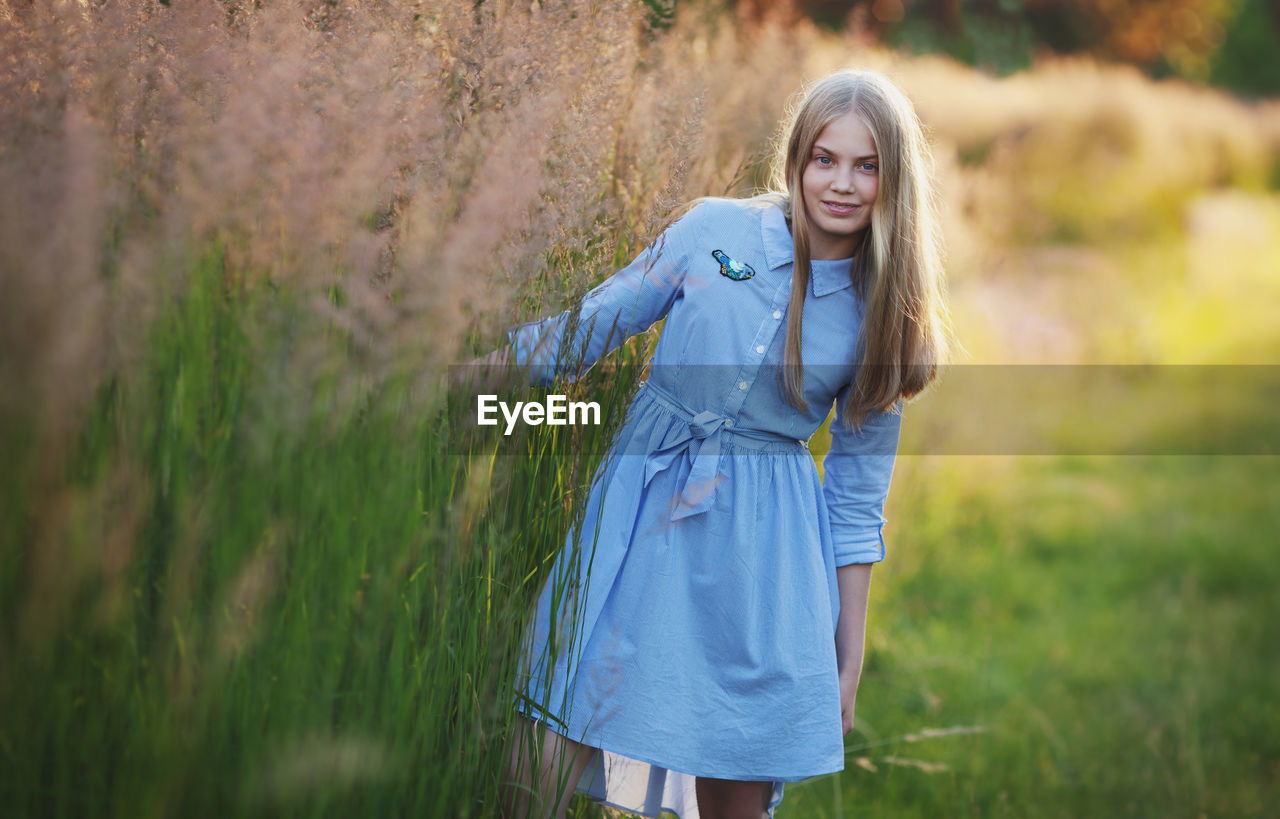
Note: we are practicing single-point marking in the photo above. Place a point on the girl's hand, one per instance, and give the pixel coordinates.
(848, 693)
(484, 374)
(498, 359)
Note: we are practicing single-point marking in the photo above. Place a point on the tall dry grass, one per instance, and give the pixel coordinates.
(242, 565)
(422, 160)
(415, 174)
(391, 152)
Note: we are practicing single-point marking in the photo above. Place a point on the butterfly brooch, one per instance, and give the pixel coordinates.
(734, 270)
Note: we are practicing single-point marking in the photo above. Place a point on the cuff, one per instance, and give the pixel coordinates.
(862, 549)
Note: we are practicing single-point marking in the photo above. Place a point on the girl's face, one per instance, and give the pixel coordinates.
(839, 186)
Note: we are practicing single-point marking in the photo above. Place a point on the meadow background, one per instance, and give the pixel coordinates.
(254, 561)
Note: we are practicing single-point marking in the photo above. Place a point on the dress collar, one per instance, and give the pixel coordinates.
(825, 276)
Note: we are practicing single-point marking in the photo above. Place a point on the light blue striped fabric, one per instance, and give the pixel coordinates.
(701, 640)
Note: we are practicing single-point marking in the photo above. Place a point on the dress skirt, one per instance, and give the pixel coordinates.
(687, 628)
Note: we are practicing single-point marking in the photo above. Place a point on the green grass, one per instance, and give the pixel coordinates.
(1111, 622)
(320, 594)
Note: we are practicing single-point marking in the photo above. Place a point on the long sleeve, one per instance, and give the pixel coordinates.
(856, 474)
(627, 303)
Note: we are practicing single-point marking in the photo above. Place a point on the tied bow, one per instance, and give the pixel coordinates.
(701, 438)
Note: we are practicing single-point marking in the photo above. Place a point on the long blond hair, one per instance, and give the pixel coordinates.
(898, 272)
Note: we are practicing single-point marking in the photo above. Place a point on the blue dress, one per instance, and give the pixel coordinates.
(693, 611)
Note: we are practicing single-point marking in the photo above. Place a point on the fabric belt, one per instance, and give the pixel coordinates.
(701, 438)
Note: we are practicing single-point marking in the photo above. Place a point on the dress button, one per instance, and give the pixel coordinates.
(777, 314)
(728, 422)
(759, 348)
(742, 385)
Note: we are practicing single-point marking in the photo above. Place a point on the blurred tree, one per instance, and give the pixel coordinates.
(1232, 43)
(660, 14)
(1249, 59)
(1180, 34)
(993, 34)
(755, 12)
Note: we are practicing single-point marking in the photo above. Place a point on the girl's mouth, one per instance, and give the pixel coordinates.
(840, 208)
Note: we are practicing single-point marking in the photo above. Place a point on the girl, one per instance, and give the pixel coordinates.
(700, 640)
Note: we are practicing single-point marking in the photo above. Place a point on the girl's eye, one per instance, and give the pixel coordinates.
(869, 167)
(824, 161)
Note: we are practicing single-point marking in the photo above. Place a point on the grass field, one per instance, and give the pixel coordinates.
(255, 561)
(1109, 623)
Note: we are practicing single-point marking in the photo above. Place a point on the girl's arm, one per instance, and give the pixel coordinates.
(856, 474)
(854, 581)
(627, 303)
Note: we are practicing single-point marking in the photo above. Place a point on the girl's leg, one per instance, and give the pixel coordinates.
(728, 799)
(543, 772)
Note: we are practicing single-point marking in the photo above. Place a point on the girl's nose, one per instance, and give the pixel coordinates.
(842, 181)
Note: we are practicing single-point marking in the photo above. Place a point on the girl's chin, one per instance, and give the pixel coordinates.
(844, 227)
